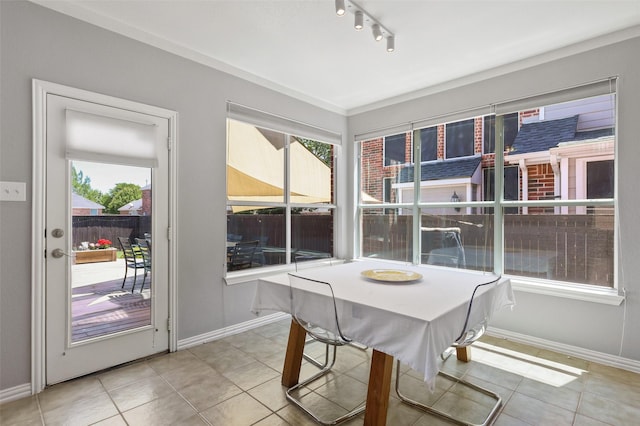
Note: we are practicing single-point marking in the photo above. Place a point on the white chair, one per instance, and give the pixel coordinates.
(315, 299)
(474, 327)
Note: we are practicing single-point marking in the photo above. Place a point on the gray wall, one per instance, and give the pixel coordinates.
(586, 325)
(39, 43)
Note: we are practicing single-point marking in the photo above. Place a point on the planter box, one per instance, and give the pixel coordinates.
(98, 255)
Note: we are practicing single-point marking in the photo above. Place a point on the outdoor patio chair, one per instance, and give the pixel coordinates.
(132, 260)
(317, 297)
(144, 246)
(475, 324)
(443, 246)
(241, 257)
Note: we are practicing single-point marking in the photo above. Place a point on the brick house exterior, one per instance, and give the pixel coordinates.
(551, 144)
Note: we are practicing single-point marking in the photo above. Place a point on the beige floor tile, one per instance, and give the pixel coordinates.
(536, 412)
(81, 412)
(581, 420)
(24, 411)
(215, 347)
(126, 375)
(251, 375)
(563, 397)
(271, 394)
(608, 410)
(506, 420)
(168, 410)
(69, 392)
(275, 360)
(240, 410)
(229, 359)
(189, 374)
(112, 421)
(272, 420)
(400, 414)
(345, 391)
(322, 407)
(209, 391)
(295, 416)
(145, 390)
(612, 389)
(171, 361)
(495, 374)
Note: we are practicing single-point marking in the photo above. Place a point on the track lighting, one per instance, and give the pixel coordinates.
(363, 18)
(377, 33)
(359, 23)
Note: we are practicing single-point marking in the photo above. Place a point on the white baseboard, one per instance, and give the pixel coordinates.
(229, 331)
(575, 351)
(16, 392)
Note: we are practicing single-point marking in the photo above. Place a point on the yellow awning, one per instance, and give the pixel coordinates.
(255, 168)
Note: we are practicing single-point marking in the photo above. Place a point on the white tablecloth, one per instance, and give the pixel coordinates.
(415, 322)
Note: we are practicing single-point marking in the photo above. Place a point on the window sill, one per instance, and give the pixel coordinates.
(249, 275)
(607, 296)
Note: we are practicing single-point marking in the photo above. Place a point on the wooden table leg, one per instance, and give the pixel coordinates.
(378, 392)
(293, 357)
(464, 353)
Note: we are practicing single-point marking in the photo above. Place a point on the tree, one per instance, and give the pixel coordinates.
(81, 185)
(120, 195)
(323, 151)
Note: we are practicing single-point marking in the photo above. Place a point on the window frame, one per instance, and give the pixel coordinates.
(589, 292)
(234, 277)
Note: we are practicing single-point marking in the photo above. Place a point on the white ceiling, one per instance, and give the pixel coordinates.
(304, 49)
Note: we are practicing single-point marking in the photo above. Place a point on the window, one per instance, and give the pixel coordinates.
(280, 191)
(460, 138)
(557, 212)
(511, 124)
(429, 144)
(395, 149)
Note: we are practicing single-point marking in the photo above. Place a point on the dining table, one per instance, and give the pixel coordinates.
(409, 312)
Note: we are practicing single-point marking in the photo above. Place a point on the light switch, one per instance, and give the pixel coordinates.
(13, 191)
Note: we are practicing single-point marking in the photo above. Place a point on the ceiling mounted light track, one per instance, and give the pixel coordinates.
(362, 18)
(359, 21)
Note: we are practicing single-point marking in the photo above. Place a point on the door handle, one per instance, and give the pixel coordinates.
(58, 253)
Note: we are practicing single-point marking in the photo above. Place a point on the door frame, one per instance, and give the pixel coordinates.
(40, 90)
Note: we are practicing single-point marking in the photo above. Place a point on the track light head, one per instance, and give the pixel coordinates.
(391, 43)
(377, 33)
(359, 22)
(340, 8)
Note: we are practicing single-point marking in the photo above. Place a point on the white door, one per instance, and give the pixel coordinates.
(95, 318)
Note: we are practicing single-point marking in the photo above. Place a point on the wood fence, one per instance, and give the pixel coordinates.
(93, 228)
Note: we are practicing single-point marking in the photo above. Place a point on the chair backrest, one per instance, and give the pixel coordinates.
(313, 306)
(127, 249)
(242, 255)
(479, 311)
(443, 246)
(145, 250)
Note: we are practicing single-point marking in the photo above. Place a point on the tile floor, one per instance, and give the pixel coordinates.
(236, 381)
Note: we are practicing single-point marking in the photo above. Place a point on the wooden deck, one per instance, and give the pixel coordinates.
(104, 308)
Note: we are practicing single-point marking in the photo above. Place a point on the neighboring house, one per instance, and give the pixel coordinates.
(140, 207)
(563, 151)
(83, 207)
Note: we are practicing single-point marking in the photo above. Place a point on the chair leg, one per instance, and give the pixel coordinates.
(351, 414)
(126, 269)
(135, 278)
(488, 419)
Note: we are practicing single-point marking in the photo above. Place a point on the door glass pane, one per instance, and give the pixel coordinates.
(112, 255)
